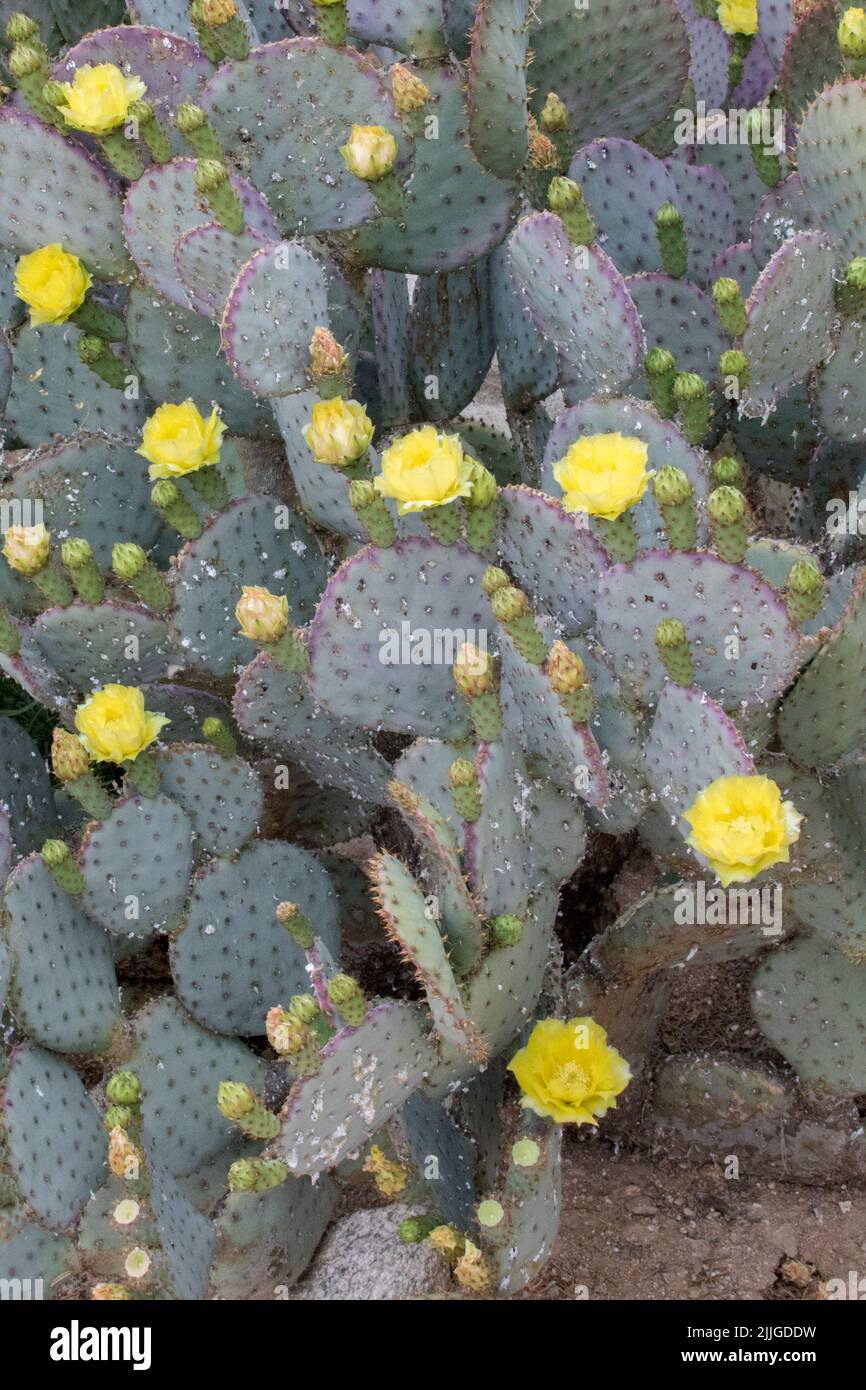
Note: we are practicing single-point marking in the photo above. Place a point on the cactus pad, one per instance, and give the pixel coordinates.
(25, 789)
(222, 796)
(53, 392)
(136, 867)
(691, 744)
(824, 715)
(95, 644)
(790, 314)
(277, 300)
(497, 86)
(208, 260)
(264, 1241)
(553, 558)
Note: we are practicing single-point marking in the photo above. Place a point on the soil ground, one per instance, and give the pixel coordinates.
(640, 1228)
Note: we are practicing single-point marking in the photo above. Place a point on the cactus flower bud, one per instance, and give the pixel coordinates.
(672, 486)
(76, 553)
(855, 274)
(327, 358)
(462, 773)
(20, 28)
(286, 1033)
(123, 1088)
(391, 1178)
(414, 1229)
(852, 33)
(26, 548)
(726, 506)
(564, 194)
(494, 578)
(659, 362)
(296, 924)
(447, 1240)
(484, 486)
(506, 930)
(728, 299)
(472, 1271)
(190, 118)
(339, 432)
(370, 153)
(110, 1293)
(804, 577)
(218, 11)
(118, 1117)
(554, 114)
(257, 1174)
(210, 175)
(565, 670)
(689, 387)
(24, 60)
(728, 472)
(127, 560)
(669, 216)
(734, 363)
(347, 997)
(55, 852)
(69, 758)
(235, 1099)
(670, 632)
(542, 151)
(362, 493)
(304, 1007)
(409, 92)
(473, 671)
(261, 615)
(508, 604)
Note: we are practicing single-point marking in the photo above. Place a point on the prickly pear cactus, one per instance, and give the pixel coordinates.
(432, 475)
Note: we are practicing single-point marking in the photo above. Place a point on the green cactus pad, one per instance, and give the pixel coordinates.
(528, 363)
(675, 311)
(278, 708)
(783, 211)
(455, 210)
(103, 1244)
(282, 286)
(256, 540)
(177, 354)
(87, 485)
(388, 22)
(136, 867)
(824, 717)
(812, 58)
(554, 559)
(292, 147)
(52, 392)
(535, 716)
(411, 920)
(809, 1002)
(838, 394)
(692, 743)
(223, 797)
(389, 302)
(94, 644)
(556, 835)
(734, 161)
(579, 300)
(721, 1103)
(324, 492)
(208, 260)
(830, 897)
(53, 190)
(450, 339)
(54, 1141)
(418, 582)
(632, 599)
(431, 1134)
(830, 146)
(664, 440)
(25, 789)
(64, 990)
(494, 852)
(790, 314)
(39, 680)
(367, 1073)
(187, 1237)
(532, 1201)
(497, 86)
(595, 60)
(162, 206)
(233, 960)
(264, 1241)
(29, 1252)
(180, 1066)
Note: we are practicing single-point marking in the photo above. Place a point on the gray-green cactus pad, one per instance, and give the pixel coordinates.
(450, 344)
(53, 190)
(222, 796)
(25, 788)
(233, 960)
(824, 717)
(497, 86)
(96, 644)
(187, 1236)
(136, 867)
(830, 147)
(367, 1073)
(790, 314)
(255, 541)
(416, 587)
(277, 301)
(691, 744)
(53, 392)
(838, 391)
(64, 990)
(438, 1147)
(55, 1144)
(743, 650)
(552, 557)
(30, 1253)
(208, 260)
(264, 1241)
(494, 849)
(180, 1066)
(809, 1001)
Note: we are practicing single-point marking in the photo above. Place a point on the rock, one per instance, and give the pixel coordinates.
(363, 1259)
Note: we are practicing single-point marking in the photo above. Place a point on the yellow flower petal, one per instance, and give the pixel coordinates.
(740, 826)
(52, 282)
(98, 98)
(114, 726)
(177, 439)
(603, 474)
(425, 469)
(568, 1072)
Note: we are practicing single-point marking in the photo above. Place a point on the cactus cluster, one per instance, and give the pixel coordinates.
(288, 606)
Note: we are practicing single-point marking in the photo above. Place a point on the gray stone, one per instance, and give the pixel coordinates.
(362, 1258)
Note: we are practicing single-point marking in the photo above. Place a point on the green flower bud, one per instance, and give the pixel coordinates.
(76, 552)
(672, 486)
(726, 506)
(658, 362)
(210, 175)
(127, 560)
(484, 487)
(508, 604)
(689, 387)
(728, 472)
(855, 275)
(805, 577)
(123, 1088)
(235, 1099)
(20, 28)
(55, 853)
(564, 194)
(362, 494)
(554, 114)
(304, 1007)
(190, 117)
(506, 930)
(296, 924)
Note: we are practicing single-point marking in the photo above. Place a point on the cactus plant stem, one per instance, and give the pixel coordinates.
(210, 486)
(332, 22)
(122, 155)
(143, 772)
(619, 537)
(92, 318)
(444, 523)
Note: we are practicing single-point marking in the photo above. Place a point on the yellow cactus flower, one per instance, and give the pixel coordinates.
(26, 548)
(425, 469)
(391, 1178)
(52, 282)
(98, 98)
(262, 616)
(568, 1072)
(370, 152)
(177, 439)
(739, 16)
(603, 474)
(741, 826)
(339, 432)
(114, 726)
